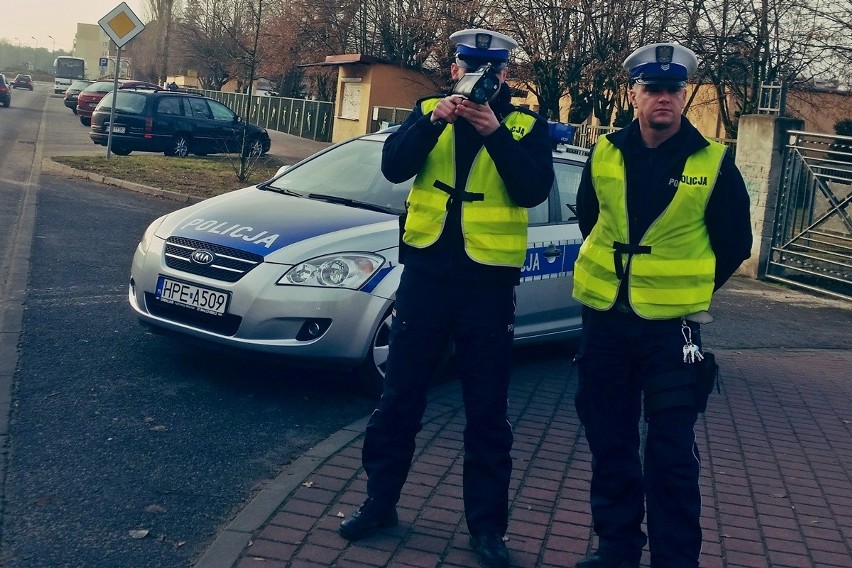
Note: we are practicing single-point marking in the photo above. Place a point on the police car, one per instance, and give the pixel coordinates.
(305, 265)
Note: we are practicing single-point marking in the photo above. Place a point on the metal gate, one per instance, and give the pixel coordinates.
(812, 240)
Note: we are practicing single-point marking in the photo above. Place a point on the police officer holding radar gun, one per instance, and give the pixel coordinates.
(479, 163)
(665, 218)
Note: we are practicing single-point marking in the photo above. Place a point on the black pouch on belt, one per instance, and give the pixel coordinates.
(708, 379)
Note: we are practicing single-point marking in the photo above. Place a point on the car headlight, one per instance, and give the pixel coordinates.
(344, 270)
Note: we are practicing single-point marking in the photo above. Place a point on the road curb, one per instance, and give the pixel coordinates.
(48, 165)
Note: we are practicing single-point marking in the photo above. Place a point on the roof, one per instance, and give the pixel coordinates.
(345, 59)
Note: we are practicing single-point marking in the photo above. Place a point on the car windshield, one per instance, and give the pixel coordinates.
(349, 172)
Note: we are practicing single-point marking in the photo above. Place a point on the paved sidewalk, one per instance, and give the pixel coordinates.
(775, 444)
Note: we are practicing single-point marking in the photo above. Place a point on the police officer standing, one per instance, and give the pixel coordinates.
(477, 167)
(665, 217)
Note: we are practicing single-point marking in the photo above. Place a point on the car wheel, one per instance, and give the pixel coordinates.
(85, 121)
(179, 147)
(121, 151)
(371, 373)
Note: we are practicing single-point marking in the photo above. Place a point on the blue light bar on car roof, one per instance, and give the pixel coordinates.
(561, 133)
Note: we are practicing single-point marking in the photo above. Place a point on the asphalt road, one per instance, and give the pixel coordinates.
(123, 448)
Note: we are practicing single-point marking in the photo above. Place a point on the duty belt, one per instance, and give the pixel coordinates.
(459, 195)
(629, 250)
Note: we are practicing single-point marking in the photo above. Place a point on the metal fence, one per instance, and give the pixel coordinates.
(299, 117)
(772, 98)
(812, 236)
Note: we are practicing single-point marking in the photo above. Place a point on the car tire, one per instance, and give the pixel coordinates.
(179, 147)
(85, 121)
(121, 151)
(371, 373)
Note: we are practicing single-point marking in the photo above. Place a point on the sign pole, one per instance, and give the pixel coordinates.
(114, 99)
(121, 25)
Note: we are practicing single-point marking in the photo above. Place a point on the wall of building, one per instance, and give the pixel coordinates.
(362, 86)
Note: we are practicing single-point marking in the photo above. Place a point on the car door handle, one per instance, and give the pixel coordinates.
(552, 252)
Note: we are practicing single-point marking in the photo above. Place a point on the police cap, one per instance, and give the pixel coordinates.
(661, 64)
(476, 47)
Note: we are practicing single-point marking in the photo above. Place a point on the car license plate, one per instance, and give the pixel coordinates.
(191, 296)
(118, 130)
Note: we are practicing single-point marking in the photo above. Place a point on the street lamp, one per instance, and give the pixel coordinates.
(53, 47)
(35, 54)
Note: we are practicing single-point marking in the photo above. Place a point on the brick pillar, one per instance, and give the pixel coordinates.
(760, 152)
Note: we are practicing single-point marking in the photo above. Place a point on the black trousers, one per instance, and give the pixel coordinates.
(480, 320)
(618, 353)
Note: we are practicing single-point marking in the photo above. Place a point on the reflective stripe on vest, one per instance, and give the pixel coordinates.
(494, 228)
(672, 270)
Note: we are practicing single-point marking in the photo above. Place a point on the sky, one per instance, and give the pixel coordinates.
(33, 22)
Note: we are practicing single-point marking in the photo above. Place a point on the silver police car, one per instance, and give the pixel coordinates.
(305, 265)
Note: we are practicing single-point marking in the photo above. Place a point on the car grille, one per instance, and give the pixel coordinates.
(229, 264)
(226, 324)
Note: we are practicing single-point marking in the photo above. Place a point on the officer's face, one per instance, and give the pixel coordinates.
(658, 107)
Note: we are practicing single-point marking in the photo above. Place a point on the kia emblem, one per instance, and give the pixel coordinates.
(202, 256)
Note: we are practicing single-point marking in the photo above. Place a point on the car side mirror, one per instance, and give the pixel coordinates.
(573, 209)
(236, 119)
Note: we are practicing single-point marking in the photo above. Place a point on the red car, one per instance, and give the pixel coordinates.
(23, 82)
(89, 97)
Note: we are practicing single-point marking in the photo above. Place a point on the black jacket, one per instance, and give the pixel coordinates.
(649, 192)
(526, 166)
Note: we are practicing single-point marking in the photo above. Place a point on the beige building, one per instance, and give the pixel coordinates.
(93, 44)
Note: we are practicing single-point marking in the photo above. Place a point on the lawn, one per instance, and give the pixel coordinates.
(194, 175)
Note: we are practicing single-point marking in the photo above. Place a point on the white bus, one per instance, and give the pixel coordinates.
(66, 69)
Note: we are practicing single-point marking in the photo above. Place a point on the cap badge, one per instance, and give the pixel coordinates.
(664, 55)
(483, 41)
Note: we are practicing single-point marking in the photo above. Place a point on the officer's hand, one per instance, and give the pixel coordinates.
(446, 109)
(480, 116)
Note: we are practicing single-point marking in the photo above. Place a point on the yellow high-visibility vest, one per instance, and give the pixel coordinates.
(494, 228)
(671, 272)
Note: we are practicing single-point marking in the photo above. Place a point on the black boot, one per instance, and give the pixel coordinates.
(368, 519)
(604, 560)
(490, 550)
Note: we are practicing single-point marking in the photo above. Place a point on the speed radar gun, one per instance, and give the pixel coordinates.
(480, 86)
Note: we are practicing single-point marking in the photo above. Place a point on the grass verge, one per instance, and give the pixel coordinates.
(199, 176)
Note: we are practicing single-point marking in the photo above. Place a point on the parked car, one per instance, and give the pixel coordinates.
(23, 82)
(5, 92)
(305, 265)
(90, 96)
(73, 91)
(174, 123)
